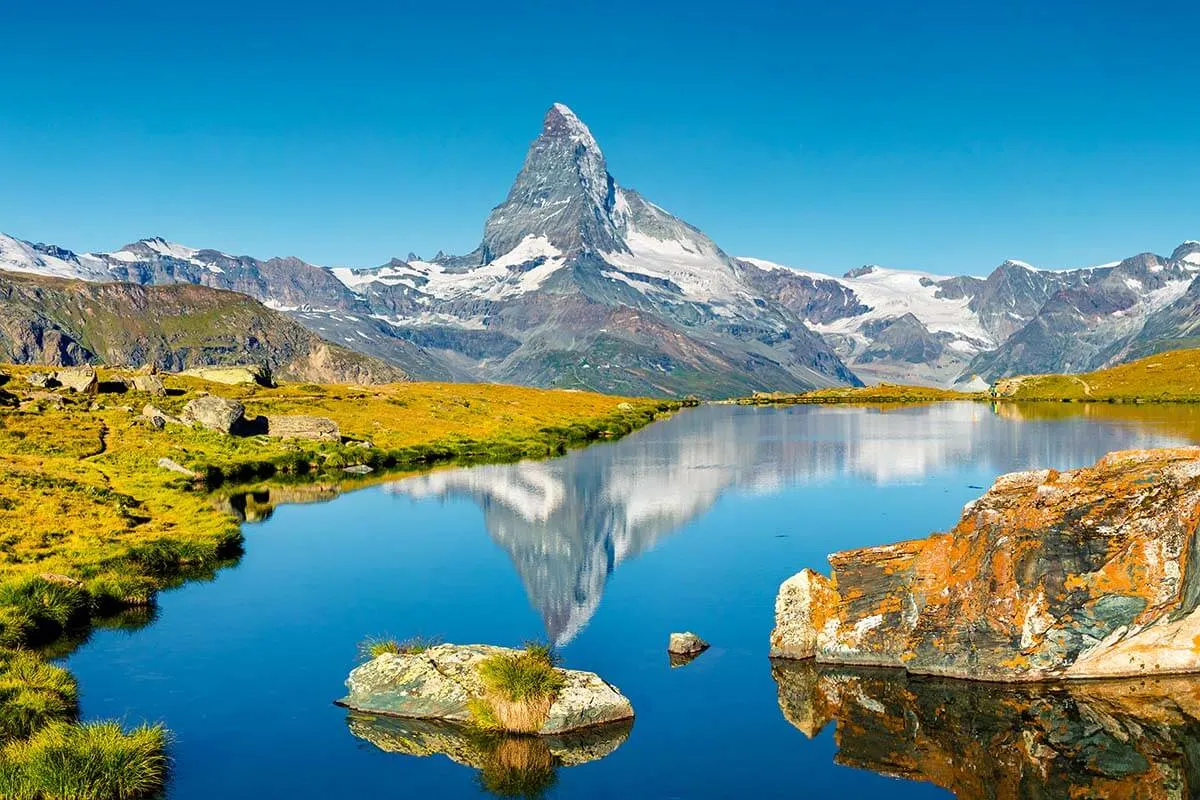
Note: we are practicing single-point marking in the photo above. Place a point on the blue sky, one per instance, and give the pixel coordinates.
(945, 136)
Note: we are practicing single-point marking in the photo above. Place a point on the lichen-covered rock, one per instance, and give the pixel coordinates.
(78, 379)
(39, 380)
(437, 684)
(214, 413)
(1089, 573)
(297, 426)
(150, 384)
(1131, 738)
(237, 375)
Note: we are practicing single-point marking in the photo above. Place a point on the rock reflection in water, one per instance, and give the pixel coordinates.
(509, 766)
(1117, 739)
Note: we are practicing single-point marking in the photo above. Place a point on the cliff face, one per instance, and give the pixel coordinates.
(66, 322)
(1117, 739)
(1089, 573)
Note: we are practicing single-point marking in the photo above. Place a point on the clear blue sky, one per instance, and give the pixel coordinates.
(945, 136)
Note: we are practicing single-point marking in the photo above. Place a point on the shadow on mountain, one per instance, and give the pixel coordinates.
(508, 765)
(1131, 738)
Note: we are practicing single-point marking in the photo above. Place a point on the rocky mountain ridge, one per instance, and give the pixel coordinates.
(581, 282)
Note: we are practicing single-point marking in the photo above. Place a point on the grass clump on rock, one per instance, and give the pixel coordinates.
(519, 689)
(374, 646)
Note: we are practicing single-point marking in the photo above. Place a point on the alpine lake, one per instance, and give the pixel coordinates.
(689, 524)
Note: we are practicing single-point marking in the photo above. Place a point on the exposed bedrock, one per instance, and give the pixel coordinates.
(1082, 574)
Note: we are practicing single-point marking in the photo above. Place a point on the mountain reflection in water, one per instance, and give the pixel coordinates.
(1114, 739)
(568, 523)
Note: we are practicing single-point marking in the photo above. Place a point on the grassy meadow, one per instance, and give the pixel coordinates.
(91, 526)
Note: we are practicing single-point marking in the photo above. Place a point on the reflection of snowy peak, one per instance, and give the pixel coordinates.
(567, 524)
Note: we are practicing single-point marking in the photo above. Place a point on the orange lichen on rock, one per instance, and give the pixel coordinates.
(1086, 573)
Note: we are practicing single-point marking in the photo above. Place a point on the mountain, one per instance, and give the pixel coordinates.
(60, 321)
(581, 282)
(915, 327)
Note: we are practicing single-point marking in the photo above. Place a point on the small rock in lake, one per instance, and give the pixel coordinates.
(686, 644)
(359, 469)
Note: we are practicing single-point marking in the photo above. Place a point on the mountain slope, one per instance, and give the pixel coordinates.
(63, 322)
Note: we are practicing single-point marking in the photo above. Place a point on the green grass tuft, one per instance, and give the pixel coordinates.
(375, 646)
(93, 761)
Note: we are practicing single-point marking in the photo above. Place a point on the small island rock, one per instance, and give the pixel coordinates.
(439, 682)
(686, 644)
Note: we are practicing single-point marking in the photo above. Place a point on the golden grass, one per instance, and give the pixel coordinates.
(519, 689)
(1171, 377)
(879, 394)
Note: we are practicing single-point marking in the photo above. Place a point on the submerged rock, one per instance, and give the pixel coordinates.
(214, 413)
(438, 683)
(1082, 574)
(1131, 738)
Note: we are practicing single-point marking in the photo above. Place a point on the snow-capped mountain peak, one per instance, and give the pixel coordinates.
(562, 193)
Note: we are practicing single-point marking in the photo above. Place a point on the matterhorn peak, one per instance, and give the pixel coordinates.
(562, 121)
(563, 193)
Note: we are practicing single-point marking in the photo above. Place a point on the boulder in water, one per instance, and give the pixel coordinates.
(439, 683)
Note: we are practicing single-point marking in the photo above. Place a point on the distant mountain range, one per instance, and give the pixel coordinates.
(579, 282)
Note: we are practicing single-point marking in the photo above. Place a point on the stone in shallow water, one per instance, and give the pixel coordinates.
(1089, 573)
(438, 683)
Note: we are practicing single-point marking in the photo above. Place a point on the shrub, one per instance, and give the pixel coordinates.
(93, 761)
(519, 689)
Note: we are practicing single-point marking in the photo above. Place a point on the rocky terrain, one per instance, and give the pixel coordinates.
(1083, 574)
(1132, 738)
(67, 322)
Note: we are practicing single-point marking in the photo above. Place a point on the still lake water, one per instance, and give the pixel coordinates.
(691, 523)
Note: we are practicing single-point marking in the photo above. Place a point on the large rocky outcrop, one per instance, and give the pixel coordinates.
(439, 682)
(1082, 574)
(1135, 738)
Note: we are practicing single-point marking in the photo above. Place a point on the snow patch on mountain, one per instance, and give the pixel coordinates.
(17, 255)
(519, 271)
